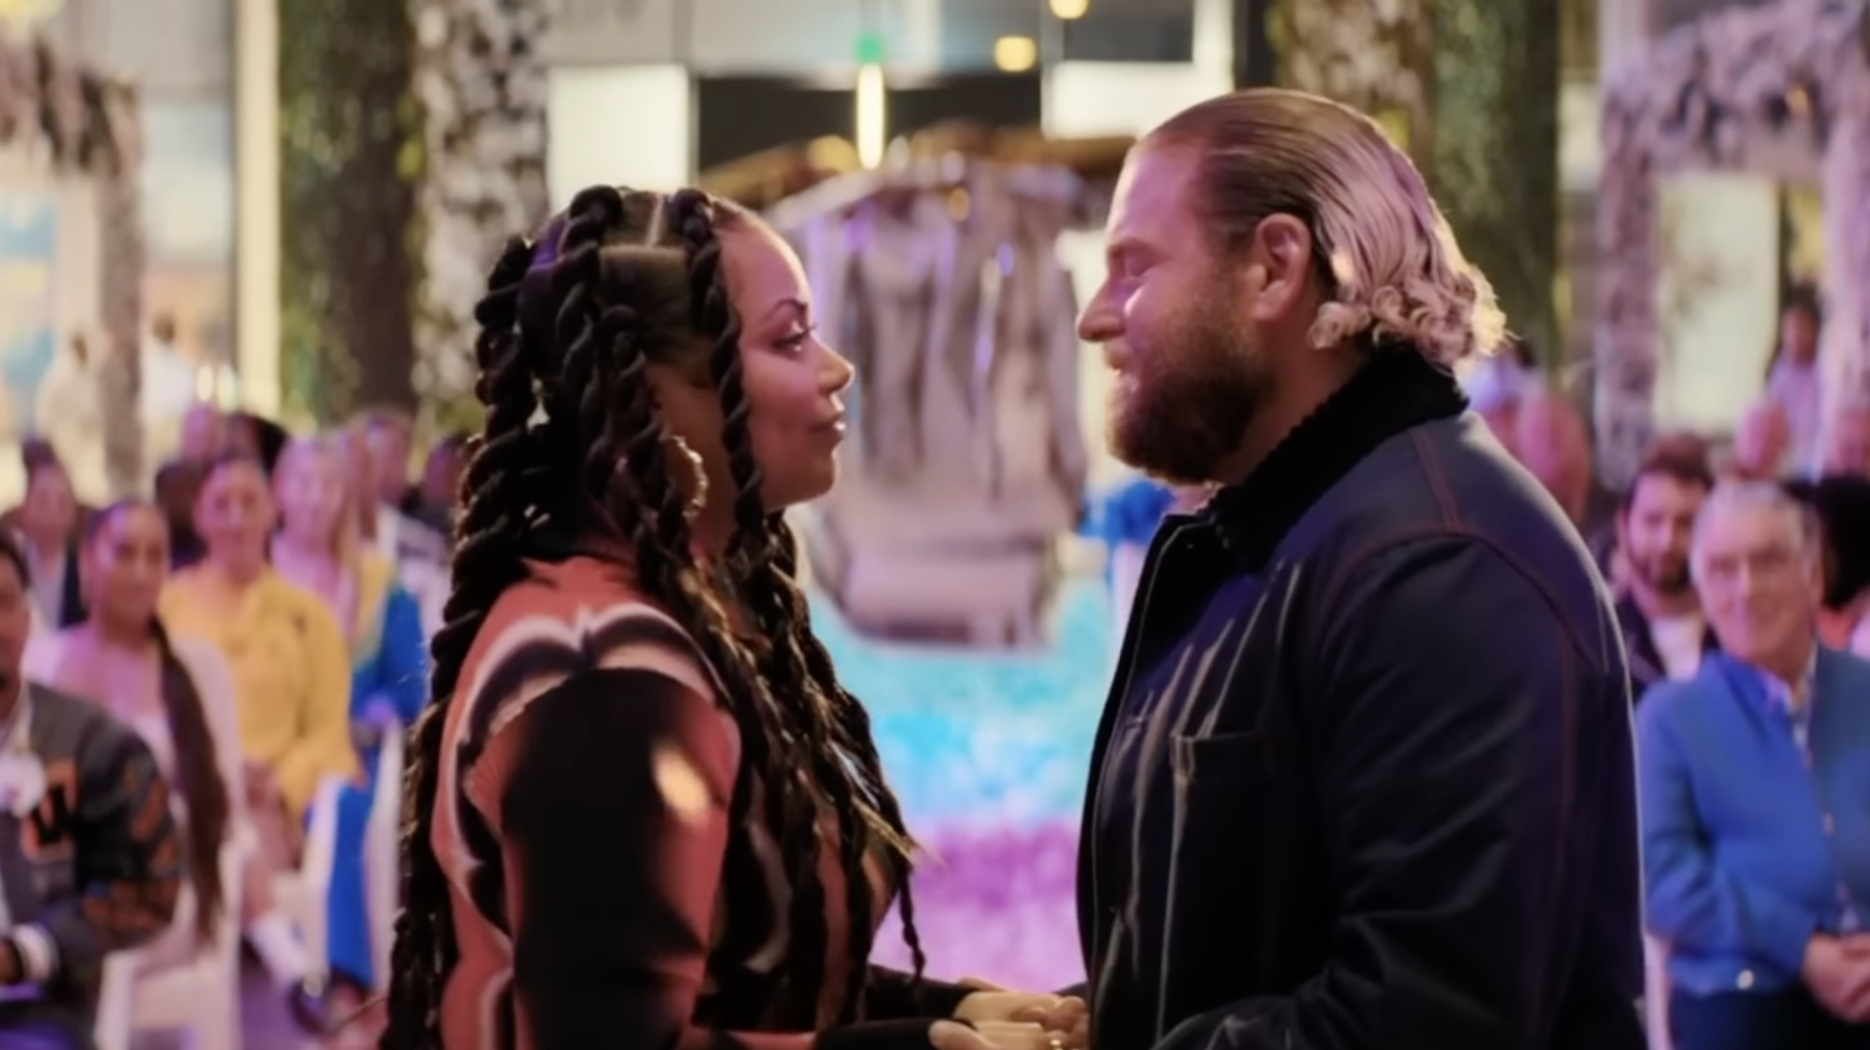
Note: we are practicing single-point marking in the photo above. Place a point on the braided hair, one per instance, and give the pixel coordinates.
(570, 327)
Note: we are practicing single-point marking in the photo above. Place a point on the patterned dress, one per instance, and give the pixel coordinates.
(602, 896)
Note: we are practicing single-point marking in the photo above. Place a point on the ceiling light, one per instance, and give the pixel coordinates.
(28, 12)
(1015, 54)
(1070, 9)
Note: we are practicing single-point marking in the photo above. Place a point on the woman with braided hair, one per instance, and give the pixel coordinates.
(643, 810)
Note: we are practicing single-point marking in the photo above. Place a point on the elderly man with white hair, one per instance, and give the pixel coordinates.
(1755, 794)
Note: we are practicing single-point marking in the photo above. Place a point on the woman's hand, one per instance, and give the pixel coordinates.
(1066, 1020)
(990, 1035)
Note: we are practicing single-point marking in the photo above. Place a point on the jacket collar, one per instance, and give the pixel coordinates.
(1396, 390)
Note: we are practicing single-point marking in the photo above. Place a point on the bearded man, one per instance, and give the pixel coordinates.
(1664, 633)
(1364, 779)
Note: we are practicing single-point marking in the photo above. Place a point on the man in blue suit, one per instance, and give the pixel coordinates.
(1755, 794)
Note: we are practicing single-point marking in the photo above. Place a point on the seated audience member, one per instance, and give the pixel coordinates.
(50, 526)
(1762, 444)
(441, 483)
(256, 438)
(316, 548)
(204, 434)
(1664, 631)
(291, 671)
(90, 854)
(391, 435)
(1842, 504)
(178, 489)
(33, 453)
(1551, 441)
(1756, 824)
(176, 695)
(419, 553)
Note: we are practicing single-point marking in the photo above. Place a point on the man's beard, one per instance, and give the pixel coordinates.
(1188, 398)
(1667, 576)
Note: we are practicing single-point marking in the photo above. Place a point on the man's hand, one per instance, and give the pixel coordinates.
(1837, 970)
(991, 1035)
(1065, 1018)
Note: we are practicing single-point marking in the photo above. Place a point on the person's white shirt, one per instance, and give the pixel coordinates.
(1680, 642)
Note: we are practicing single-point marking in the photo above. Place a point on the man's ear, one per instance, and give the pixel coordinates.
(1280, 260)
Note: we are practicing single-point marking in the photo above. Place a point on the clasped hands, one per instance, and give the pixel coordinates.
(1837, 970)
(1003, 1019)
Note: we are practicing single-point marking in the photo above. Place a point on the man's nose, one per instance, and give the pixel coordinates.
(1101, 321)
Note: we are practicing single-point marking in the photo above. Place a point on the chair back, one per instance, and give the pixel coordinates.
(382, 849)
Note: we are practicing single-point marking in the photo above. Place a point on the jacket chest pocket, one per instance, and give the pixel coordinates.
(1228, 798)
(1243, 880)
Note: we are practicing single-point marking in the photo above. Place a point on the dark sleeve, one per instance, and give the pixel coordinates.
(1446, 696)
(612, 794)
(127, 855)
(895, 994)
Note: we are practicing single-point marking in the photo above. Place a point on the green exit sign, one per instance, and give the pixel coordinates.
(869, 49)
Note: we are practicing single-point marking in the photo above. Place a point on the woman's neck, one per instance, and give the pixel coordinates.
(237, 573)
(303, 549)
(105, 632)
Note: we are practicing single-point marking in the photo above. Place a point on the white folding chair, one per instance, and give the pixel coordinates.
(304, 895)
(199, 998)
(382, 851)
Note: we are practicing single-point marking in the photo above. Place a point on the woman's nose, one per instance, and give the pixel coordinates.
(838, 371)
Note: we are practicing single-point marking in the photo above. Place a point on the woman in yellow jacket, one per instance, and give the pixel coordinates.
(292, 687)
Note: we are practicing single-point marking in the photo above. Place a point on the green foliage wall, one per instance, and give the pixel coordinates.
(1494, 163)
(1470, 89)
(349, 152)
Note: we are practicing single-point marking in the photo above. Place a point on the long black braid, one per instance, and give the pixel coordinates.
(797, 669)
(487, 542)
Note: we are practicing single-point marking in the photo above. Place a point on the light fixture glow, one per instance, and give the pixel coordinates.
(872, 107)
(1015, 54)
(1070, 9)
(26, 13)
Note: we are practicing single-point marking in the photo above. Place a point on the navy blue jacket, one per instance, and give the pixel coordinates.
(1364, 779)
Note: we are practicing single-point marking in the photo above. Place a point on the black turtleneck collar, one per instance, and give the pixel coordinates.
(1397, 390)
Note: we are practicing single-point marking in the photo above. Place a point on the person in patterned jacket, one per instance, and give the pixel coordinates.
(90, 861)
